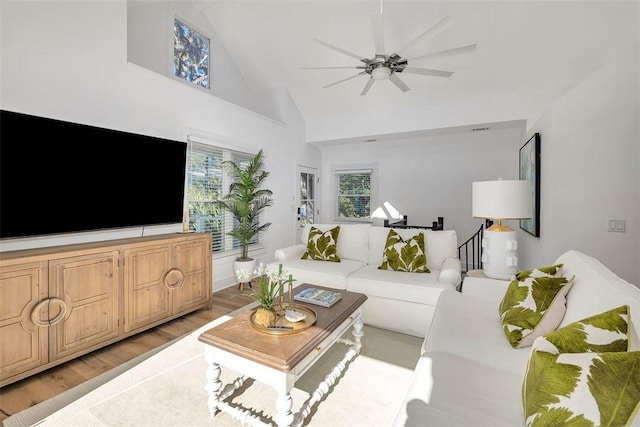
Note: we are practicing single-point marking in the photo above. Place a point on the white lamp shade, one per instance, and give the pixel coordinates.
(502, 199)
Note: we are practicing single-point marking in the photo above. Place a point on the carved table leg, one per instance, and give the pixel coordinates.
(284, 416)
(214, 385)
(357, 333)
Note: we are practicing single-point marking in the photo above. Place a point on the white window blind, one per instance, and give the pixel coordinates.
(353, 193)
(206, 184)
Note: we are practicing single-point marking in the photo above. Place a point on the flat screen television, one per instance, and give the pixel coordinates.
(62, 177)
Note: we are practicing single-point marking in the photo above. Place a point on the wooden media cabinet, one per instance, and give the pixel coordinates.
(61, 302)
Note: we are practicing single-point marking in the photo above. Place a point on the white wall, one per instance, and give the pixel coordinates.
(590, 148)
(68, 60)
(150, 45)
(430, 176)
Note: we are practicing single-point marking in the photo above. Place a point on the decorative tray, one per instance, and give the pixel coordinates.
(308, 321)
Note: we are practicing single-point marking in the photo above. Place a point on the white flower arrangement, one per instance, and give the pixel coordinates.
(271, 284)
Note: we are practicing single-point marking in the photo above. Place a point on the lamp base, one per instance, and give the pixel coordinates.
(499, 254)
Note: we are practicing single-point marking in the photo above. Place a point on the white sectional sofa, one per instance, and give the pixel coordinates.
(470, 375)
(397, 300)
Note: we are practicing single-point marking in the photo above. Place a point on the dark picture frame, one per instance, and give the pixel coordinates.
(529, 168)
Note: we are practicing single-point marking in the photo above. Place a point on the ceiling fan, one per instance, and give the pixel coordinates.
(383, 66)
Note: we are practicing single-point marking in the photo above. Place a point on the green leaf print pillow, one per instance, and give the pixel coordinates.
(404, 255)
(322, 246)
(534, 304)
(582, 389)
(605, 332)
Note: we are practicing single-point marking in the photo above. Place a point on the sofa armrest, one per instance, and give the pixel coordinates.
(451, 271)
(289, 253)
(484, 288)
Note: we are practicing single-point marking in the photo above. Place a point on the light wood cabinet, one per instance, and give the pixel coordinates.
(24, 344)
(59, 303)
(165, 280)
(87, 288)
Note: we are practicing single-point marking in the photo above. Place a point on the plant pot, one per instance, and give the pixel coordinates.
(245, 266)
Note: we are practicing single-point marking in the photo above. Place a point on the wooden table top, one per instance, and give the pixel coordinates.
(282, 352)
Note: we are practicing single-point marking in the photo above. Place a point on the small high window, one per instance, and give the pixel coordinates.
(190, 54)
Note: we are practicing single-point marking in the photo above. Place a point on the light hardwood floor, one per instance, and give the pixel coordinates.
(45, 385)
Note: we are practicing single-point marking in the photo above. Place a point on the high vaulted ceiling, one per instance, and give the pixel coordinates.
(528, 53)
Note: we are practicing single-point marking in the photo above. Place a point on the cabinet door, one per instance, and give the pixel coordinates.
(146, 297)
(192, 259)
(23, 318)
(88, 285)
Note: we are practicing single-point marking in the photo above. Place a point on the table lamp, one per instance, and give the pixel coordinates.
(499, 201)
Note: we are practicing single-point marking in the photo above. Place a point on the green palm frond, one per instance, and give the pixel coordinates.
(513, 296)
(571, 338)
(547, 379)
(614, 381)
(246, 200)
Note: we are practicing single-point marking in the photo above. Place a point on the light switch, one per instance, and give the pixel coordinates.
(617, 225)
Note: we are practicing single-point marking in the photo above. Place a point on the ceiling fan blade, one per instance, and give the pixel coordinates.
(445, 23)
(337, 49)
(378, 33)
(448, 52)
(370, 83)
(333, 68)
(396, 81)
(427, 72)
(344, 80)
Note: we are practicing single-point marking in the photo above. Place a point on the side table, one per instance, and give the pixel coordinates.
(479, 286)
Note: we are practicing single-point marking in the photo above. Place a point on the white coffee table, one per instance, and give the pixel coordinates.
(279, 360)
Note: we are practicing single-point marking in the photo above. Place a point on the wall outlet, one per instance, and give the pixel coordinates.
(617, 225)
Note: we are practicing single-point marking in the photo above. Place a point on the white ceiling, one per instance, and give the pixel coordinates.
(528, 53)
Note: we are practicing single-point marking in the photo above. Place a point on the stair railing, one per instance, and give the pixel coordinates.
(470, 252)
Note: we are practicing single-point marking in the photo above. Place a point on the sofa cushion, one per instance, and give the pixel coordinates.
(330, 274)
(467, 327)
(595, 289)
(439, 245)
(404, 255)
(449, 390)
(533, 304)
(322, 245)
(353, 240)
(582, 388)
(604, 332)
(397, 285)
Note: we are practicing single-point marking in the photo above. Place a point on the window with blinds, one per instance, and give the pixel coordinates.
(206, 184)
(354, 193)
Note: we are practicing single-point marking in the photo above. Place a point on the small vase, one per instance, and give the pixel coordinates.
(265, 316)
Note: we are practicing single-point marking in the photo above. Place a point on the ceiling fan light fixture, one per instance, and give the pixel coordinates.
(381, 73)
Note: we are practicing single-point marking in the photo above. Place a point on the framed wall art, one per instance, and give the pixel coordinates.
(530, 170)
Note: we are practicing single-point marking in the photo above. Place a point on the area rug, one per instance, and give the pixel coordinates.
(166, 388)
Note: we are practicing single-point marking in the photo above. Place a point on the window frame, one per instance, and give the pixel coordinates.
(202, 34)
(336, 171)
(223, 244)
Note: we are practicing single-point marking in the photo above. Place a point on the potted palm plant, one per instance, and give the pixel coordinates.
(245, 201)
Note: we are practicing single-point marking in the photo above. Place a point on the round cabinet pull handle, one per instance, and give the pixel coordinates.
(174, 278)
(49, 322)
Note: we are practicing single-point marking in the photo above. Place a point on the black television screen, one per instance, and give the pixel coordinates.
(62, 177)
